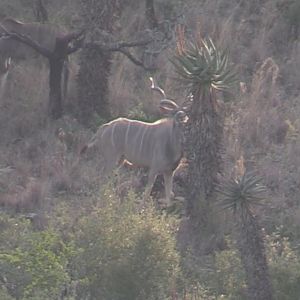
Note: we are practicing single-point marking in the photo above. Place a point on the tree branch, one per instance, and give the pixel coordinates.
(78, 38)
(22, 38)
(73, 36)
(77, 43)
(118, 45)
(135, 60)
(121, 47)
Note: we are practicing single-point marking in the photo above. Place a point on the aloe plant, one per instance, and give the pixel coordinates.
(204, 66)
(241, 195)
(203, 69)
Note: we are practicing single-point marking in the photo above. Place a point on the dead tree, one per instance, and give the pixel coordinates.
(64, 46)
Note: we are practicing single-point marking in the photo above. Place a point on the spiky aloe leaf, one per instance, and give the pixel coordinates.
(204, 66)
(242, 193)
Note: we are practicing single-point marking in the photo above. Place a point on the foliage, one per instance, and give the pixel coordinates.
(5, 296)
(124, 254)
(230, 278)
(204, 67)
(37, 263)
(284, 267)
(224, 278)
(239, 194)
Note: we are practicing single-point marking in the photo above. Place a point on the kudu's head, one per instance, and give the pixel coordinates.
(168, 107)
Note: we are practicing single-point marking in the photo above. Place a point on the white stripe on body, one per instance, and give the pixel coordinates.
(142, 141)
(126, 135)
(112, 135)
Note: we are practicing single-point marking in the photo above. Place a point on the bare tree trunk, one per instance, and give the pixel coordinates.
(150, 14)
(55, 92)
(56, 64)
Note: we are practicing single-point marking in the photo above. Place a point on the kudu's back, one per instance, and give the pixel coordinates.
(156, 146)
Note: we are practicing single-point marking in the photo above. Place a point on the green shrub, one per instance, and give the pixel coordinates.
(223, 277)
(32, 263)
(229, 276)
(284, 267)
(226, 278)
(125, 254)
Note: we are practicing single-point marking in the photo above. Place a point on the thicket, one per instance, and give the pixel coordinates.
(109, 252)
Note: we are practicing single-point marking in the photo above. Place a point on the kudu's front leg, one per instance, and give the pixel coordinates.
(150, 183)
(168, 179)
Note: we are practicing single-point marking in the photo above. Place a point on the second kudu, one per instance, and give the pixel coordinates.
(157, 146)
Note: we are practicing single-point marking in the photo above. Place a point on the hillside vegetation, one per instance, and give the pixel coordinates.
(66, 232)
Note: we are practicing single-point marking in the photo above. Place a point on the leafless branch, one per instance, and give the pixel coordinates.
(135, 60)
(121, 47)
(28, 41)
(77, 42)
(118, 45)
(75, 37)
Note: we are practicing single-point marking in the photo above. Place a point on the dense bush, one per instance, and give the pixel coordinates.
(284, 267)
(123, 254)
(224, 276)
(32, 263)
(114, 252)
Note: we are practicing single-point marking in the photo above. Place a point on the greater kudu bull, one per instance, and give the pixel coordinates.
(157, 146)
(44, 34)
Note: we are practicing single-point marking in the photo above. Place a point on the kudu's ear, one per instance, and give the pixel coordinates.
(181, 117)
(168, 107)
